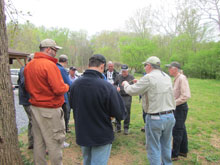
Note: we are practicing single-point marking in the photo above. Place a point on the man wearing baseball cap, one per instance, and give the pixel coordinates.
(124, 76)
(159, 104)
(44, 83)
(181, 94)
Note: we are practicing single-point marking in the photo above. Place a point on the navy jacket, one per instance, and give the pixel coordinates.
(94, 101)
(66, 79)
(23, 94)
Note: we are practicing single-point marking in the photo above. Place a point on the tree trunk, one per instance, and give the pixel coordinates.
(9, 149)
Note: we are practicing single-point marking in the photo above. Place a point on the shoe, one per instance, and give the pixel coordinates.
(183, 154)
(175, 158)
(117, 130)
(126, 132)
(142, 129)
(68, 131)
(30, 147)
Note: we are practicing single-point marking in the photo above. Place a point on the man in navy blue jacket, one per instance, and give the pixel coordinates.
(94, 102)
(63, 61)
(23, 100)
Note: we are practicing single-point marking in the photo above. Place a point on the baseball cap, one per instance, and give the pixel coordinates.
(174, 64)
(73, 68)
(152, 60)
(124, 67)
(49, 43)
(98, 57)
(63, 56)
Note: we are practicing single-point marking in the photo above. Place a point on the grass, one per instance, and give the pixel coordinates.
(203, 126)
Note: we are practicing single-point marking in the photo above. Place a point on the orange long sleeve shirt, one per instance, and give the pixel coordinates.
(44, 82)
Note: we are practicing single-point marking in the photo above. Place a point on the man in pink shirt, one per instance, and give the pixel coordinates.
(181, 94)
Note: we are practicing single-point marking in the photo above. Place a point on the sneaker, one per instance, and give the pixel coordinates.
(183, 154)
(126, 132)
(65, 144)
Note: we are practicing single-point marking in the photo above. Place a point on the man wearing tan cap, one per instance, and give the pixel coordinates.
(44, 83)
(181, 94)
(158, 102)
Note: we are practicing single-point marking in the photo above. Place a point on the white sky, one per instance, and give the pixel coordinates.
(90, 15)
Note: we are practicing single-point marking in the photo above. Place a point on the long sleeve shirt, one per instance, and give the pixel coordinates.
(181, 89)
(156, 90)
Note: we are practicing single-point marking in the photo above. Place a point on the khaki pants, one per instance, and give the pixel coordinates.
(49, 133)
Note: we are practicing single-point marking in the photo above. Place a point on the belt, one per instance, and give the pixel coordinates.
(160, 113)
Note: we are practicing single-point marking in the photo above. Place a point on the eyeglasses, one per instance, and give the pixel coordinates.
(53, 49)
(146, 64)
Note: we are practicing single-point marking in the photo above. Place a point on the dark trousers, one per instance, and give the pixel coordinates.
(66, 110)
(127, 100)
(180, 140)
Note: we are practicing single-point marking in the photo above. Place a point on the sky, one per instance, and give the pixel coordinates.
(90, 15)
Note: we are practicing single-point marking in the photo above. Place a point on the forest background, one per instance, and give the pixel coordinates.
(189, 34)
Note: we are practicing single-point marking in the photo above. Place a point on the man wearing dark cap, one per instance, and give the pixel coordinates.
(94, 102)
(124, 76)
(44, 83)
(158, 102)
(72, 74)
(62, 64)
(181, 94)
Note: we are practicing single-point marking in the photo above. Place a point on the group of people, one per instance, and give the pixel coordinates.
(96, 101)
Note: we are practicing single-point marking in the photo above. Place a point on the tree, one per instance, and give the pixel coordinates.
(210, 9)
(135, 50)
(141, 22)
(9, 149)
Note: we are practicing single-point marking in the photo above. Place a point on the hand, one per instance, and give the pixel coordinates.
(134, 81)
(123, 83)
(118, 89)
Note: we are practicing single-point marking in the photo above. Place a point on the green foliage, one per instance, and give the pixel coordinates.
(198, 59)
(135, 50)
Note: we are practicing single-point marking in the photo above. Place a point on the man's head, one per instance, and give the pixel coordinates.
(30, 57)
(97, 62)
(151, 63)
(49, 47)
(124, 70)
(174, 68)
(72, 71)
(63, 60)
(110, 66)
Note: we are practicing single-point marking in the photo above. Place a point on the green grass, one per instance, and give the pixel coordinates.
(203, 126)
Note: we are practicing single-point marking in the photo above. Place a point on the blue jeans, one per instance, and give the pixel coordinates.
(158, 138)
(96, 155)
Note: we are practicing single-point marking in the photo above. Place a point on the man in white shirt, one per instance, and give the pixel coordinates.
(111, 73)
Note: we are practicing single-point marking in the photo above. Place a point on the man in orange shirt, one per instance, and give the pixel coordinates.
(181, 94)
(44, 83)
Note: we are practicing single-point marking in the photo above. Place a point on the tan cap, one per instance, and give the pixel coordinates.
(153, 60)
(49, 43)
